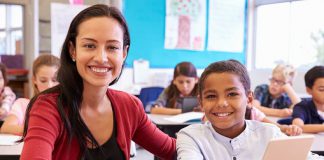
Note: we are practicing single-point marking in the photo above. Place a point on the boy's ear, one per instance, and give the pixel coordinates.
(200, 102)
(309, 90)
(250, 97)
(72, 50)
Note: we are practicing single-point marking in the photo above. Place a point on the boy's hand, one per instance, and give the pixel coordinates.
(286, 112)
(293, 130)
(3, 113)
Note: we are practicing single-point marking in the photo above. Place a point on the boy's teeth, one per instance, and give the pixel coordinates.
(222, 114)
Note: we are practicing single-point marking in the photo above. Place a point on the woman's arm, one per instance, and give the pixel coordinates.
(43, 129)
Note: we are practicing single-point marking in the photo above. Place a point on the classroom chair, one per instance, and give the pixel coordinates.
(148, 95)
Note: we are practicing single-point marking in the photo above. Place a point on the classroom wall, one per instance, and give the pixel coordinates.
(146, 21)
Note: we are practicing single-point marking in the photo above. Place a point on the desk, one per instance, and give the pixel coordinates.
(10, 152)
(168, 127)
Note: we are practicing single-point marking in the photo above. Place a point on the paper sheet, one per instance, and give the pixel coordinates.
(6, 139)
(141, 71)
(184, 117)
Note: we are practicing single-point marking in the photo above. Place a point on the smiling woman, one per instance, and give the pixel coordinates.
(83, 118)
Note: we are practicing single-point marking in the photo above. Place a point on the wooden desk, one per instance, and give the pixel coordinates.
(10, 152)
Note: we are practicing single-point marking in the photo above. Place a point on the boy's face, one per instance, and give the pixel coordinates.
(224, 102)
(276, 83)
(317, 91)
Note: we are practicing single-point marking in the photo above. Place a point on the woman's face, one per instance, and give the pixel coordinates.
(45, 77)
(185, 84)
(224, 102)
(99, 51)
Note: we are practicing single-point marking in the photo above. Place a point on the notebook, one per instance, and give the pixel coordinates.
(187, 104)
(289, 148)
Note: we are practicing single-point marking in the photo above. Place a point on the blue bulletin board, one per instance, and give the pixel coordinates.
(146, 22)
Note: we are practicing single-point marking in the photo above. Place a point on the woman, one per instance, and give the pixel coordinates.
(82, 118)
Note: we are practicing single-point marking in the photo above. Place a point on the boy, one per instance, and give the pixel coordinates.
(277, 98)
(309, 114)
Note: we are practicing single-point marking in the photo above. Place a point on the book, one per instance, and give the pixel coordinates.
(189, 117)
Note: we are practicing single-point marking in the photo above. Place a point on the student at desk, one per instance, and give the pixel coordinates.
(224, 93)
(309, 114)
(82, 118)
(44, 76)
(184, 84)
(7, 96)
(277, 98)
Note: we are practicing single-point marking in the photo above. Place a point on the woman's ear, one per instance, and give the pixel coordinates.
(72, 50)
(125, 52)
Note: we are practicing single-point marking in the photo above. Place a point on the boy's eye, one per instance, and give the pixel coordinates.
(233, 94)
(210, 96)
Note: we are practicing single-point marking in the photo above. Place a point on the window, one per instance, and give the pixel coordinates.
(289, 32)
(11, 29)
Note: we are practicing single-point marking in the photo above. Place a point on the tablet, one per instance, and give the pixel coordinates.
(289, 148)
(187, 104)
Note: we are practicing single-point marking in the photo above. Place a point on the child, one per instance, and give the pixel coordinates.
(44, 77)
(184, 84)
(224, 94)
(309, 114)
(277, 98)
(7, 97)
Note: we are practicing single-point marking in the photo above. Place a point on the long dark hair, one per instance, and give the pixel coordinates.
(70, 88)
(185, 69)
(3, 70)
(231, 66)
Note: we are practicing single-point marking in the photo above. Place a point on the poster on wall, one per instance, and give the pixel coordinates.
(226, 25)
(61, 17)
(185, 24)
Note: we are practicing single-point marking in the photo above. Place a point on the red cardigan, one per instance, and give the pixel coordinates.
(47, 137)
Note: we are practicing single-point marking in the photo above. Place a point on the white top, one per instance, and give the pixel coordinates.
(202, 142)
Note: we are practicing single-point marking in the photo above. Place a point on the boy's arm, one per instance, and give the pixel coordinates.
(308, 128)
(291, 94)
(271, 111)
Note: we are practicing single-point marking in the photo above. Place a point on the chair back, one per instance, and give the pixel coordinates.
(149, 94)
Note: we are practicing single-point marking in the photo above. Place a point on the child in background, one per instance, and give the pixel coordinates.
(7, 96)
(309, 114)
(277, 98)
(184, 84)
(44, 77)
(224, 94)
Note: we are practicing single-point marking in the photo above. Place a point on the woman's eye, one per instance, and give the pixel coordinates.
(112, 48)
(90, 46)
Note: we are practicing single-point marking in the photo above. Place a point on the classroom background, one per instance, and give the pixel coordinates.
(258, 33)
